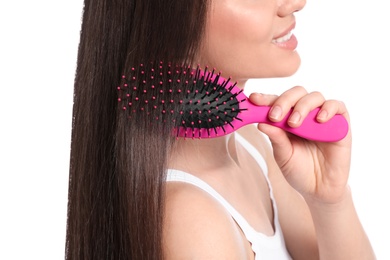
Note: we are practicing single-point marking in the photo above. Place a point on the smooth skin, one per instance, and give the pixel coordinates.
(309, 179)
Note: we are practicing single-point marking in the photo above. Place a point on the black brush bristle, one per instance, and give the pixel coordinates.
(195, 98)
(208, 105)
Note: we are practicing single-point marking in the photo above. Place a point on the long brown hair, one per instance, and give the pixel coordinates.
(117, 167)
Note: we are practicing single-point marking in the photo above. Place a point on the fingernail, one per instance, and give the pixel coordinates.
(276, 112)
(294, 118)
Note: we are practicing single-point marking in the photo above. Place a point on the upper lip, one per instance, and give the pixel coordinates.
(286, 31)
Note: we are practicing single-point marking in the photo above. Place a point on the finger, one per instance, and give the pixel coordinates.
(303, 107)
(260, 99)
(285, 102)
(331, 108)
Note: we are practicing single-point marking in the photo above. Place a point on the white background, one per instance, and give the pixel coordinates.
(344, 47)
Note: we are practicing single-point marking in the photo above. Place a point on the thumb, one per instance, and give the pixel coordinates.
(280, 141)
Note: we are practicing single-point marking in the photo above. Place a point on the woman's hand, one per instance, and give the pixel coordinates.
(317, 170)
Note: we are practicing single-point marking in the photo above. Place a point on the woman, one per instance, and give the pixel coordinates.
(129, 196)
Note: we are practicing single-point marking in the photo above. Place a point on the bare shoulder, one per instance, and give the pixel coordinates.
(196, 226)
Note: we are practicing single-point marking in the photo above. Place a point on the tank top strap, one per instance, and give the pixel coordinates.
(254, 152)
(258, 158)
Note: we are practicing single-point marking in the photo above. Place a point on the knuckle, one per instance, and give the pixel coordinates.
(316, 93)
(300, 88)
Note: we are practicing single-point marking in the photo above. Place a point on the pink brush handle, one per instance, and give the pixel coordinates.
(331, 131)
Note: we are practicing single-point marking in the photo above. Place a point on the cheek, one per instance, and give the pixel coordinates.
(235, 35)
(239, 25)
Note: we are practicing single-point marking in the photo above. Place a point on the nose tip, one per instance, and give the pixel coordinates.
(290, 6)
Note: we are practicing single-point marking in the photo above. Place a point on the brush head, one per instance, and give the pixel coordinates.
(196, 100)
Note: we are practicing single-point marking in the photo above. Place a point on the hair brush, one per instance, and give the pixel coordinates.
(202, 104)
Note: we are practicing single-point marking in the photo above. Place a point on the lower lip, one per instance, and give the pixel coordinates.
(291, 44)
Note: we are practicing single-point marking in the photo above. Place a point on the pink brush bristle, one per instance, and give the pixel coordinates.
(203, 104)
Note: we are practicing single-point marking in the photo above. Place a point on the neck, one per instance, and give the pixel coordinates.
(204, 154)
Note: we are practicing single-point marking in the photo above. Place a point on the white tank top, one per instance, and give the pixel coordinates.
(264, 247)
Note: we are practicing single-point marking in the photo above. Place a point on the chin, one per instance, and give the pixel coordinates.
(288, 67)
(276, 66)
(287, 73)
